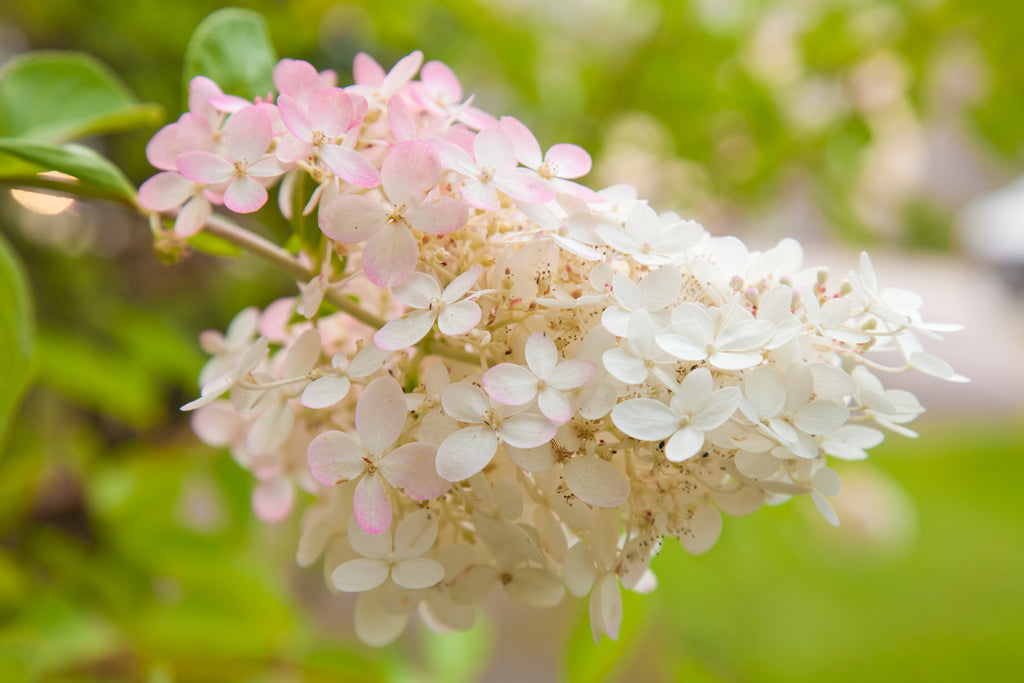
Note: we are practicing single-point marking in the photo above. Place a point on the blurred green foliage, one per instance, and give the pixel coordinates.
(129, 553)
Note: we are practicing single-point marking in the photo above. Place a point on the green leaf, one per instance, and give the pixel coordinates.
(60, 96)
(17, 333)
(232, 47)
(95, 174)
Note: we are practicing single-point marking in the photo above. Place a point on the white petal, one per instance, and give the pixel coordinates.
(821, 416)
(374, 546)
(572, 374)
(578, 571)
(554, 405)
(465, 402)
(683, 344)
(702, 530)
(403, 332)
(606, 606)
(359, 575)
(825, 508)
(458, 287)
(684, 444)
(415, 534)
(510, 384)
(374, 625)
(418, 290)
(645, 418)
(466, 452)
(756, 465)
(458, 318)
(720, 408)
(418, 572)
(302, 355)
(624, 366)
(765, 391)
(526, 430)
(729, 360)
(539, 459)
(535, 587)
(541, 354)
(596, 482)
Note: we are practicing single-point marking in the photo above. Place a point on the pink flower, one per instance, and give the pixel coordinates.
(248, 136)
(493, 169)
(409, 172)
(560, 163)
(335, 457)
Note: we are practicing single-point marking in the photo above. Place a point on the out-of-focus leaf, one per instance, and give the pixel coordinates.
(232, 47)
(60, 96)
(98, 377)
(16, 333)
(584, 661)
(94, 173)
(460, 655)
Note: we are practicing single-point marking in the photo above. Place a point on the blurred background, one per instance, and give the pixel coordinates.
(128, 551)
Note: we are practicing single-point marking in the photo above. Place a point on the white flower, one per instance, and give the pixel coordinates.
(543, 379)
(696, 409)
(402, 559)
(735, 345)
(654, 294)
(649, 239)
(634, 361)
(453, 313)
(334, 385)
(469, 450)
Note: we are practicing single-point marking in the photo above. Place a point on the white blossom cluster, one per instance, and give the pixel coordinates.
(498, 377)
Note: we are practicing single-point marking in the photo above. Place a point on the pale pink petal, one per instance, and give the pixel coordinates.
(330, 111)
(541, 354)
(248, 134)
(371, 505)
(403, 332)
(439, 216)
(510, 384)
(163, 148)
(350, 165)
(295, 119)
(526, 430)
(165, 191)
(302, 355)
(296, 78)
(334, 458)
(265, 168)
(400, 120)
(466, 452)
(459, 318)
(539, 459)
(375, 546)
(479, 195)
(684, 444)
(192, 217)
(290, 149)
(524, 143)
(352, 218)
(554, 405)
(458, 287)
(245, 195)
(493, 149)
(271, 429)
(417, 572)
(325, 392)
(205, 167)
(522, 186)
(454, 157)
(390, 256)
(568, 161)
(409, 171)
(273, 499)
(411, 470)
(596, 482)
(645, 418)
(366, 70)
(572, 374)
(439, 78)
(380, 415)
(402, 72)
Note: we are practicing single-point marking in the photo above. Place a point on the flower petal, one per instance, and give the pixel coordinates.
(684, 444)
(510, 384)
(409, 171)
(371, 505)
(380, 415)
(352, 218)
(459, 318)
(465, 402)
(415, 534)
(596, 482)
(205, 167)
(325, 392)
(412, 470)
(572, 374)
(390, 256)
(245, 195)
(417, 572)
(350, 165)
(439, 216)
(334, 457)
(466, 452)
(359, 575)
(645, 418)
(526, 430)
(403, 332)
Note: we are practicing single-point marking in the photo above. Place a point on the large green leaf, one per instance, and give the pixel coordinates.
(96, 176)
(61, 96)
(232, 47)
(17, 336)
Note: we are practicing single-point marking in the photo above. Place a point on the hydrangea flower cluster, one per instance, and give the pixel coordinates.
(496, 376)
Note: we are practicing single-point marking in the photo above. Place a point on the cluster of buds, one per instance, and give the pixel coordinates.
(497, 376)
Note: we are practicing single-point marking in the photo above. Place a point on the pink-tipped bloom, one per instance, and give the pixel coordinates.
(335, 457)
(247, 137)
